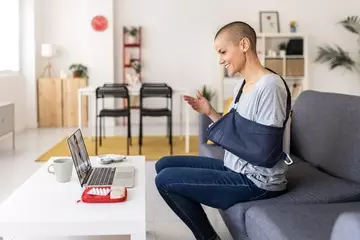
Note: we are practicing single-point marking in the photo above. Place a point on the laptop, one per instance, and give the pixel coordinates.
(96, 176)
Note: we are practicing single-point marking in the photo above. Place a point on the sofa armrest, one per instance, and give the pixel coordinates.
(347, 226)
(204, 122)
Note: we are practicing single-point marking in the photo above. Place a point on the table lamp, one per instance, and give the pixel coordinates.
(48, 51)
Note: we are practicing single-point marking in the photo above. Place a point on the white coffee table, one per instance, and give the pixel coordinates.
(43, 207)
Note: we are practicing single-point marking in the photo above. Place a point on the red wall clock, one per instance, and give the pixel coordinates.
(99, 23)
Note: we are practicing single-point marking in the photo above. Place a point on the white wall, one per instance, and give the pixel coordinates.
(28, 59)
(64, 24)
(175, 49)
(19, 88)
(178, 37)
(67, 25)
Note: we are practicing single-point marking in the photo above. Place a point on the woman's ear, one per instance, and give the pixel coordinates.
(245, 44)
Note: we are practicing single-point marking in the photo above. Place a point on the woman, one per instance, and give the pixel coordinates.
(186, 182)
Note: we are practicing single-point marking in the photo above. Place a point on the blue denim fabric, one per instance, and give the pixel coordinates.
(186, 182)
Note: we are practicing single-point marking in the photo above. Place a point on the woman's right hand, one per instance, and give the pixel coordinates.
(199, 103)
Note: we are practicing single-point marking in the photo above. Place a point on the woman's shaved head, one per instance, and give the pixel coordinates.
(236, 31)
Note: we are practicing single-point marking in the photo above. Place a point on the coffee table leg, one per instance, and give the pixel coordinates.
(139, 236)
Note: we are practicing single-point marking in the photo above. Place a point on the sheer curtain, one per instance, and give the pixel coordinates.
(9, 37)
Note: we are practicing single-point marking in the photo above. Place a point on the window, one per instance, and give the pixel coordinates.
(9, 37)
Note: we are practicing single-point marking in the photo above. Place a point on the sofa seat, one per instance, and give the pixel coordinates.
(306, 185)
(295, 222)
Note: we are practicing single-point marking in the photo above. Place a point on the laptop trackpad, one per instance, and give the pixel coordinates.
(124, 176)
(125, 169)
(124, 182)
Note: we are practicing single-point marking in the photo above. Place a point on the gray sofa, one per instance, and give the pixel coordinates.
(323, 181)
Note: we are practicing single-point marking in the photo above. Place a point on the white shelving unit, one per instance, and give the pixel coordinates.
(293, 68)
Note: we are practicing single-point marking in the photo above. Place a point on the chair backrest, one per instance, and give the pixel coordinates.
(148, 90)
(117, 90)
(115, 85)
(325, 131)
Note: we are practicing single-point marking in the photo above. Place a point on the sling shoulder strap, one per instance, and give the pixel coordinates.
(288, 100)
(239, 93)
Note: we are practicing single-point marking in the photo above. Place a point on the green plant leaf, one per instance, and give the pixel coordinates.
(282, 46)
(352, 24)
(133, 31)
(207, 93)
(335, 57)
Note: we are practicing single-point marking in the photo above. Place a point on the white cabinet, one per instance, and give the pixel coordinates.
(7, 120)
(292, 66)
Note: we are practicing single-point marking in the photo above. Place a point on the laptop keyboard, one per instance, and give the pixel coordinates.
(102, 176)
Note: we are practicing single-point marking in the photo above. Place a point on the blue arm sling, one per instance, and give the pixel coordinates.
(258, 144)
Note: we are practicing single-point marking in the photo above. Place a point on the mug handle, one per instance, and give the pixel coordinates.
(53, 171)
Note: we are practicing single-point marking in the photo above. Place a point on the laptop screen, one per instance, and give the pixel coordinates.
(79, 154)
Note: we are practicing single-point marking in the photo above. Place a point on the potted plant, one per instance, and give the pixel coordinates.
(282, 49)
(207, 93)
(136, 65)
(336, 56)
(79, 71)
(131, 34)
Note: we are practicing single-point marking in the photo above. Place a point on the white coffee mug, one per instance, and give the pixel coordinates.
(62, 169)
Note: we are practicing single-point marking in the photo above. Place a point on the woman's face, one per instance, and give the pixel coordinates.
(232, 56)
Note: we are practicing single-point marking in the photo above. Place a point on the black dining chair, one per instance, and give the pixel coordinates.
(156, 90)
(115, 91)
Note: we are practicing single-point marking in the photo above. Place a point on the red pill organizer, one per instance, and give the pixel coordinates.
(104, 194)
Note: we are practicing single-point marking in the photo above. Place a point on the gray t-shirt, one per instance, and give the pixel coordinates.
(265, 104)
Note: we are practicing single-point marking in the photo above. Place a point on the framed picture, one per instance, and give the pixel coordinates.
(269, 22)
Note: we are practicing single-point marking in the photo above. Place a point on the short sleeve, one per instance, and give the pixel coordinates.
(271, 109)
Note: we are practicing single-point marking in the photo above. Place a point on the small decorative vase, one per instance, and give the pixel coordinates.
(282, 53)
(136, 79)
(63, 74)
(129, 78)
(293, 29)
(131, 39)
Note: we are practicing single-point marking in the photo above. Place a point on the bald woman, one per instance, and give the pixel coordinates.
(186, 182)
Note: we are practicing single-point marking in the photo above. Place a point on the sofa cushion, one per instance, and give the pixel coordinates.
(211, 150)
(325, 131)
(295, 222)
(204, 122)
(306, 184)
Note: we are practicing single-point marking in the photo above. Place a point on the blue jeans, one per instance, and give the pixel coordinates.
(186, 182)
